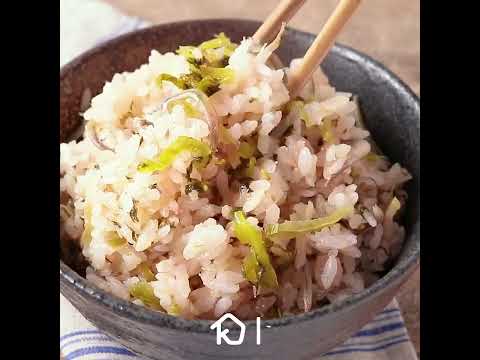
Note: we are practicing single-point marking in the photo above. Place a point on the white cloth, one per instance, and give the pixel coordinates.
(85, 23)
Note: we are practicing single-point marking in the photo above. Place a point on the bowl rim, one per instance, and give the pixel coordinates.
(395, 276)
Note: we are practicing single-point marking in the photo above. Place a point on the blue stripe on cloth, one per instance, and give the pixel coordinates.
(375, 342)
(99, 350)
(380, 330)
(93, 338)
(387, 311)
(380, 319)
(81, 332)
(374, 349)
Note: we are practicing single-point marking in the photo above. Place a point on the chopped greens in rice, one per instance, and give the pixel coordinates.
(202, 188)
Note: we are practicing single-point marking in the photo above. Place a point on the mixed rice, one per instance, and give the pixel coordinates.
(200, 187)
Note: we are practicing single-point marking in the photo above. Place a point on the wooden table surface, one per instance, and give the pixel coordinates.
(387, 30)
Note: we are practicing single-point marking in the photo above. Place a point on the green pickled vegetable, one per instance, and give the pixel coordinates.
(212, 78)
(143, 270)
(144, 292)
(174, 310)
(209, 72)
(250, 171)
(298, 107)
(188, 108)
(326, 130)
(200, 163)
(221, 75)
(220, 162)
(214, 57)
(176, 81)
(265, 175)
(373, 157)
(192, 79)
(183, 143)
(251, 268)
(187, 53)
(208, 85)
(251, 235)
(86, 238)
(215, 52)
(224, 135)
(115, 241)
(197, 185)
(392, 208)
(246, 150)
(219, 41)
(204, 78)
(354, 173)
(295, 228)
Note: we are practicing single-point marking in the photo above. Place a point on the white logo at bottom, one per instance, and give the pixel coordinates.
(222, 334)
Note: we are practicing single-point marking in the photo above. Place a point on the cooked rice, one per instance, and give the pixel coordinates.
(186, 238)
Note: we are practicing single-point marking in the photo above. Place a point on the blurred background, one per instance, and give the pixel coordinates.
(387, 30)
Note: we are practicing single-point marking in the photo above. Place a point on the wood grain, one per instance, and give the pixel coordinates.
(282, 13)
(321, 46)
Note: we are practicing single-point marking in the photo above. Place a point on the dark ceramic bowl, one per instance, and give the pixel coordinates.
(392, 113)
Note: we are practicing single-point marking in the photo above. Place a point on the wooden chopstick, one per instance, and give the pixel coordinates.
(321, 45)
(282, 13)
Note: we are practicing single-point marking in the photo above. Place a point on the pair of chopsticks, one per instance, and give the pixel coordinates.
(320, 46)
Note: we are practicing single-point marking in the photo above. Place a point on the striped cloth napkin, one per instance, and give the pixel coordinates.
(384, 338)
(85, 23)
